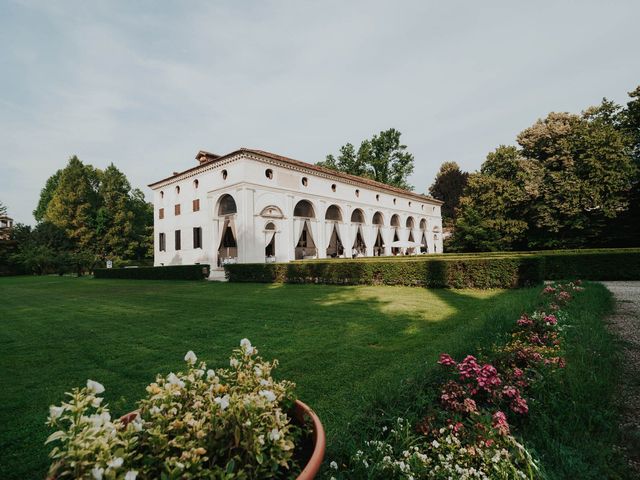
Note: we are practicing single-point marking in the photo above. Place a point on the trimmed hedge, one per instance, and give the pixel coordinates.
(479, 270)
(172, 272)
(605, 265)
(435, 273)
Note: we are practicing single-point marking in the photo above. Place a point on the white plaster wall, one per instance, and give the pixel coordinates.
(252, 191)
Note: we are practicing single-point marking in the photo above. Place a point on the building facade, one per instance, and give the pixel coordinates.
(253, 206)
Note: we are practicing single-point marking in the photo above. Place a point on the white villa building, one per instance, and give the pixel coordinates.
(252, 206)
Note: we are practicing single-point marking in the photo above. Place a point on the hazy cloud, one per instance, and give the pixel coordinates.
(147, 84)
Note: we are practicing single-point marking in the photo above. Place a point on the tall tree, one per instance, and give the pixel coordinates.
(493, 209)
(3, 209)
(382, 158)
(46, 194)
(74, 203)
(448, 186)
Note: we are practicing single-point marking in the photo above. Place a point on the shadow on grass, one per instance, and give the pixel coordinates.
(347, 348)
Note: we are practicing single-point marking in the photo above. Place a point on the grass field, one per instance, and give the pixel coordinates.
(345, 347)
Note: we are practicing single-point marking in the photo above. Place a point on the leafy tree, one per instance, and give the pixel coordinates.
(586, 175)
(448, 186)
(46, 194)
(74, 203)
(382, 158)
(493, 210)
(3, 209)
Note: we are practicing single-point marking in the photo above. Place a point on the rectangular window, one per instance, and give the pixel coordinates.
(197, 237)
(176, 209)
(178, 242)
(196, 205)
(163, 243)
(161, 213)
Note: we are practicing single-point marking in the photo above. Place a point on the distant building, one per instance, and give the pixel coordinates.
(255, 206)
(6, 225)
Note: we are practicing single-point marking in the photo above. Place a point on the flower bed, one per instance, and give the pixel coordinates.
(468, 431)
(228, 423)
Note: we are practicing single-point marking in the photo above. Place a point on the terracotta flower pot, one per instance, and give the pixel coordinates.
(303, 416)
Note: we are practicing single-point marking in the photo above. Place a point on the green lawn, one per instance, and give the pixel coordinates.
(344, 346)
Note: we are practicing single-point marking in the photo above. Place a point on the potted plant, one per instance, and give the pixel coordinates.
(231, 423)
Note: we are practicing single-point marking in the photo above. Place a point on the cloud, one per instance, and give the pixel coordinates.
(147, 84)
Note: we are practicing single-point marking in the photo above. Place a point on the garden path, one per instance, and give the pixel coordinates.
(625, 322)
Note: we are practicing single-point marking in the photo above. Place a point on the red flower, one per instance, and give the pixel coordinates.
(445, 359)
(519, 405)
(500, 423)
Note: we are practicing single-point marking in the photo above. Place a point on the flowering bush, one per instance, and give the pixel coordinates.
(201, 423)
(467, 434)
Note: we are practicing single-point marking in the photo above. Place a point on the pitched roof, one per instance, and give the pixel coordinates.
(206, 158)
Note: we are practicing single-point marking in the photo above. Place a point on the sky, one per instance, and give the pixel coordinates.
(146, 84)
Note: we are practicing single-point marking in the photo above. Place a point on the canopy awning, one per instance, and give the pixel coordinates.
(404, 244)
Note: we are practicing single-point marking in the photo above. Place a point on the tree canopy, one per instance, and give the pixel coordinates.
(571, 183)
(448, 187)
(382, 158)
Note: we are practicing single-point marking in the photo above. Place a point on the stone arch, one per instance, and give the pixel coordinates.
(410, 223)
(357, 216)
(423, 224)
(304, 209)
(227, 206)
(378, 219)
(395, 220)
(333, 213)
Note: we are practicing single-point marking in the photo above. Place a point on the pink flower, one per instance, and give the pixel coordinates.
(470, 405)
(550, 319)
(469, 367)
(525, 321)
(445, 359)
(549, 289)
(500, 423)
(519, 405)
(510, 391)
(517, 372)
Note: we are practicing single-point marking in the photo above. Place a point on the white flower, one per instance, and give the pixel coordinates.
(95, 403)
(435, 444)
(261, 439)
(246, 346)
(268, 394)
(154, 410)
(115, 462)
(274, 435)
(173, 379)
(264, 382)
(97, 473)
(190, 358)
(211, 375)
(223, 402)
(95, 387)
(131, 475)
(233, 362)
(334, 465)
(55, 412)
(258, 371)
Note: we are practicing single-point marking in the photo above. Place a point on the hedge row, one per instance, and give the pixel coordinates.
(435, 273)
(173, 272)
(610, 265)
(480, 270)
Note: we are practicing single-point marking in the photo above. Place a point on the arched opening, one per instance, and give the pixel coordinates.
(410, 223)
(333, 213)
(396, 238)
(424, 246)
(228, 247)
(227, 206)
(304, 209)
(357, 216)
(270, 242)
(395, 220)
(411, 250)
(271, 211)
(378, 245)
(435, 242)
(305, 246)
(196, 183)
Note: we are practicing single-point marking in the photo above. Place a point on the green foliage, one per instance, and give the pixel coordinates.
(611, 265)
(572, 183)
(172, 272)
(343, 346)
(99, 212)
(448, 186)
(3, 209)
(382, 158)
(434, 273)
